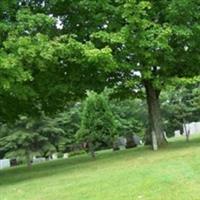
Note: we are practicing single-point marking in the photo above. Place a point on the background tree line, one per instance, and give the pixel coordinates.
(95, 123)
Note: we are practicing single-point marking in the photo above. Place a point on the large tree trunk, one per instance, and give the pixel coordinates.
(148, 138)
(155, 134)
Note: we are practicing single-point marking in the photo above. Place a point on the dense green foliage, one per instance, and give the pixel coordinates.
(25, 140)
(131, 116)
(37, 65)
(51, 52)
(105, 120)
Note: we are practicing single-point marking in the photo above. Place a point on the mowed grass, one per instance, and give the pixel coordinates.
(173, 173)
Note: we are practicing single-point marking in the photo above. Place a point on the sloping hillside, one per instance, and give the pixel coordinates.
(172, 173)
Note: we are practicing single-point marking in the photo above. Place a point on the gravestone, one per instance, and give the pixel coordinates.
(193, 128)
(130, 141)
(122, 143)
(4, 163)
(119, 144)
(66, 155)
(137, 140)
(38, 160)
(54, 156)
(177, 133)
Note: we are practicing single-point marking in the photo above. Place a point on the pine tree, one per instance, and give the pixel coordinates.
(97, 121)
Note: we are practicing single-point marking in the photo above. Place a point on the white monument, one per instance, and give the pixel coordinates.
(177, 133)
(66, 155)
(38, 160)
(54, 156)
(193, 128)
(5, 163)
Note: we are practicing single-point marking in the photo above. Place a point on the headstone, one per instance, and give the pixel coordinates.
(130, 142)
(137, 139)
(39, 160)
(177, 133)
(54, 156)
(4, 163)
(193, 128)
(122, 141)
(66, 155)
(119, 143)
(122, 147)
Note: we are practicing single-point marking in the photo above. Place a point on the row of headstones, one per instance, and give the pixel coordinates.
(54, 156)
(6, 163)
(122, 143)
(193, 128)
(130, 141)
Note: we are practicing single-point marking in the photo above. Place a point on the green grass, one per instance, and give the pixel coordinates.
(172, 173)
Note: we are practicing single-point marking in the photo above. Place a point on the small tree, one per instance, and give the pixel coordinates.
(132, 120)
(97, 121)
(69, 121)
(48, 128)
(23, 144)
(24, 140)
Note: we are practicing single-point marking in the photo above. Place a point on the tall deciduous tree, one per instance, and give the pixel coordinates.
(154, 44)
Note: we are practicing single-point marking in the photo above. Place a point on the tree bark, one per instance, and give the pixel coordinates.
(155, 128)
(187, 131)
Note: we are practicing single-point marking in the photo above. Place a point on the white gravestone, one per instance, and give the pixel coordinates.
(66, 155)
(54, 156)
(177, 133)
(39, 160)
(193, 128)
(5, 163)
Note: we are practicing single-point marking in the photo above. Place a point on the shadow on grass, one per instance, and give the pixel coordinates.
(20, 174)
(51, 168)
(23, 173)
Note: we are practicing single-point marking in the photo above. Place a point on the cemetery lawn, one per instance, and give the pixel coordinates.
(172, 173)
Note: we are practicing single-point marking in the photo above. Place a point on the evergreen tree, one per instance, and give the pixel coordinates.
(97, 121)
